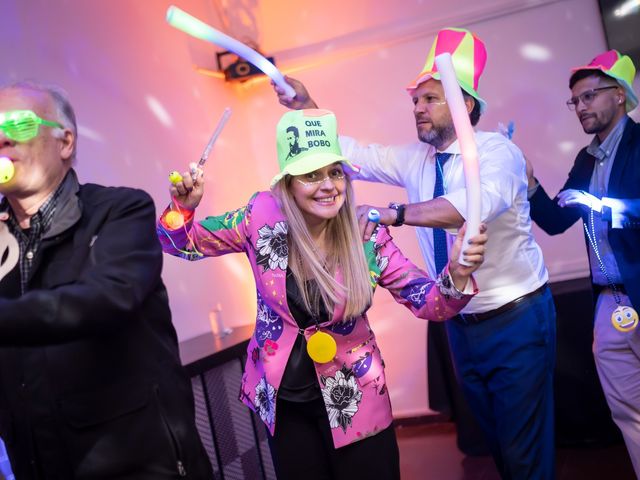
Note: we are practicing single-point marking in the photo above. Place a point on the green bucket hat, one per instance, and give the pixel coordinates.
(620, 68)
(308, 140)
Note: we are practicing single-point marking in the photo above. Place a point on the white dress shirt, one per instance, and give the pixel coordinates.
(513, 264)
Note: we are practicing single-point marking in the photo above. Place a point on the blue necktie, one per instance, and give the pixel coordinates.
(440, 254)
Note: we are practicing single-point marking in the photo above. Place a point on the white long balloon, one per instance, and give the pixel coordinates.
(467, 141)
(196, 28)
(9, 250)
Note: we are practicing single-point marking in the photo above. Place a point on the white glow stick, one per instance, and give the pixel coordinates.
(216, 133)
(467, 141)
(10, 248)
(196, 28)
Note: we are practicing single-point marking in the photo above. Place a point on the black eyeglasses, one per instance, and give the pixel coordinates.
(586, 97)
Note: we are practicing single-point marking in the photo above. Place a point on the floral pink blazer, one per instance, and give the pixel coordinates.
(353, 383)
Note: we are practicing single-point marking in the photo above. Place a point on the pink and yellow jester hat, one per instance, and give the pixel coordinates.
(468, 55)
(620, 68)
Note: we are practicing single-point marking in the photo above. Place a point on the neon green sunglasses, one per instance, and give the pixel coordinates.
(23, 125)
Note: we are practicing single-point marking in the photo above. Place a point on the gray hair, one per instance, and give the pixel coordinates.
(64, 111)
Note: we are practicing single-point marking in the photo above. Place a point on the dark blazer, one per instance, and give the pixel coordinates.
(624, 183)
(91, 384)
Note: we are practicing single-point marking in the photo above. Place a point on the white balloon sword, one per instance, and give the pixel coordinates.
(197, 28)
(466, 138)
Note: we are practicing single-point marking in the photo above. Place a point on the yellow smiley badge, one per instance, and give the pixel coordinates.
(624, 319)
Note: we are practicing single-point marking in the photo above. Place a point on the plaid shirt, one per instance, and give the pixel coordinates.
(30, 239)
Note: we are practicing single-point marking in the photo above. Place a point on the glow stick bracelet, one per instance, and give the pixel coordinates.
(467, 141)
(216, 133)
(196, 28)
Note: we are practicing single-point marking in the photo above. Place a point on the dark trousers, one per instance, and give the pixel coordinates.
(445, 394)
(505, 365)
(302, 448)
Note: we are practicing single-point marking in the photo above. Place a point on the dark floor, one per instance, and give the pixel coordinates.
(429, 452)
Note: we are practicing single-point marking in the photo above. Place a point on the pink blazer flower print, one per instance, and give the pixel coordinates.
(353, 384)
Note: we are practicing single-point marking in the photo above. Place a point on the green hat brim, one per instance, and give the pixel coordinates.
(313, 162)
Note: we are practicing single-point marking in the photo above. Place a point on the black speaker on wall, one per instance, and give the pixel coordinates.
(236, 68)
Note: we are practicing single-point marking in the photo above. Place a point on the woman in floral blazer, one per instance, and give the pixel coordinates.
(349, 389)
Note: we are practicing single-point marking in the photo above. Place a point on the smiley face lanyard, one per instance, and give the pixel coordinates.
(624, 318)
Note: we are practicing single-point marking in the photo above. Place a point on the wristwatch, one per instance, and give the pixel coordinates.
(399, 208)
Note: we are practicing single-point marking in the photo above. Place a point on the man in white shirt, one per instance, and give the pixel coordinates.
(503, 344)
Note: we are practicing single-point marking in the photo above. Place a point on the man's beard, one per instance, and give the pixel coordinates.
(438, 136)
(595, 127)
(598, 123)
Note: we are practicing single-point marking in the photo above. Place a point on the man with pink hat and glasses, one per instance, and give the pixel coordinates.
(503, 343)
(603, 189)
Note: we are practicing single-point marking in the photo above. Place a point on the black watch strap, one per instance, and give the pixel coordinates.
(399, 208)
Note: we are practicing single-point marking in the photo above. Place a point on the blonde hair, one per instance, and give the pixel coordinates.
(344, 251)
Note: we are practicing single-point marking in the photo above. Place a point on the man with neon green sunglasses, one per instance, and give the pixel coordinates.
(91, 384)
(28, 141)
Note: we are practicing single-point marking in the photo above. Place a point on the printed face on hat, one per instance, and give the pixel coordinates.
(605, 109)
(291, 138)
(319, 194)
(40, 163)
(433, 119)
